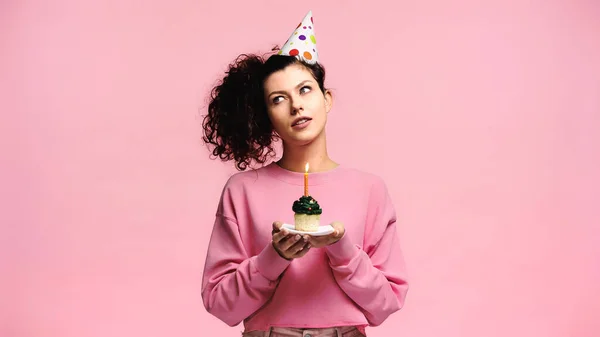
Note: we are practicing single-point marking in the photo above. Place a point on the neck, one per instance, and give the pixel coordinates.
(314, 153)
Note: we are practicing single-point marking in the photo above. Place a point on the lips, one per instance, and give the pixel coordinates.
(301, 120)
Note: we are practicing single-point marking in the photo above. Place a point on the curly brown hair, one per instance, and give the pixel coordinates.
(237, 125)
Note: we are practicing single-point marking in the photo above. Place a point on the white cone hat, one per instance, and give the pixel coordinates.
(302, 43)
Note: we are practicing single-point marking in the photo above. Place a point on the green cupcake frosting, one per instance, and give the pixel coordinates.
(307, 205)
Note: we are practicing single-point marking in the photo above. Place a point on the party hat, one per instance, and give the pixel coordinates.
(302, 43)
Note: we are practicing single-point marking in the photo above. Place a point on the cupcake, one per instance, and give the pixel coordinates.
(307, 214)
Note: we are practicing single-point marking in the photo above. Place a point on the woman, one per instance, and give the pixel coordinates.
(278, 283)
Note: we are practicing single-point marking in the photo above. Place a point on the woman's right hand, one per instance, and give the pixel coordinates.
(288, 246)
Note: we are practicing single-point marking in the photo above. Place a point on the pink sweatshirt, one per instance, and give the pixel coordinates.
(359, 280)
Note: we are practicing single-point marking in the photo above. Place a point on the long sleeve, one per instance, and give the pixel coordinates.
(373, 276)
(235, 285)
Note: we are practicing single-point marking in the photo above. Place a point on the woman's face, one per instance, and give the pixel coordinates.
(296, 105)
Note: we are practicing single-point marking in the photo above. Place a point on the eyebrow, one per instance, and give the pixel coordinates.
(283, 92)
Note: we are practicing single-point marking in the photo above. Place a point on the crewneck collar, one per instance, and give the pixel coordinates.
(297, 178)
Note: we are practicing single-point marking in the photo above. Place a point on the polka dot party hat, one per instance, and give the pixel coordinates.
(302, 43)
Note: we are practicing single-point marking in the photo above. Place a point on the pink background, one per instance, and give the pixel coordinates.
(482, 118)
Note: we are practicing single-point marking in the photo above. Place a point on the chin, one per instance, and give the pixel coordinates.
(298, 141)
(301, 139)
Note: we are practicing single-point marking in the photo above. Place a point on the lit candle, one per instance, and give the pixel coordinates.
(306, 180)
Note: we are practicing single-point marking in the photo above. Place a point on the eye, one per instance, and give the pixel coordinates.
(277, 99)
(305, 89)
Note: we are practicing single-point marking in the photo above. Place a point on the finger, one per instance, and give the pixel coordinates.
(279, 234)
(305, 248)
(301, 244)
(313, 240)
(292, 240)
(283, 241)
(292, 245)
(337, 225)
(289, 243)
(297, 247)
(277, 225)
(280, 237)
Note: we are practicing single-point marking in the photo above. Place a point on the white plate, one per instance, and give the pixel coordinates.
(323, 230)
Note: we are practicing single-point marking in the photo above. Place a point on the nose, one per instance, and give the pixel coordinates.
(296, 106)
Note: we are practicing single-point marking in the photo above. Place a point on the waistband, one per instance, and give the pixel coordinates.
(344, 331)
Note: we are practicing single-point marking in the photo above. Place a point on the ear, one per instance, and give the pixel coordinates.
(328, 101)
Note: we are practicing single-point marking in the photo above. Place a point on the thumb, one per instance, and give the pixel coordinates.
(277, 225)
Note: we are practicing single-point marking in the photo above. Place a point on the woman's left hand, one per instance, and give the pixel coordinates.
(325, 240)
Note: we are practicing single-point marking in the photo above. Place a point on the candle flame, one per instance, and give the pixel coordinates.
(306, 168)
